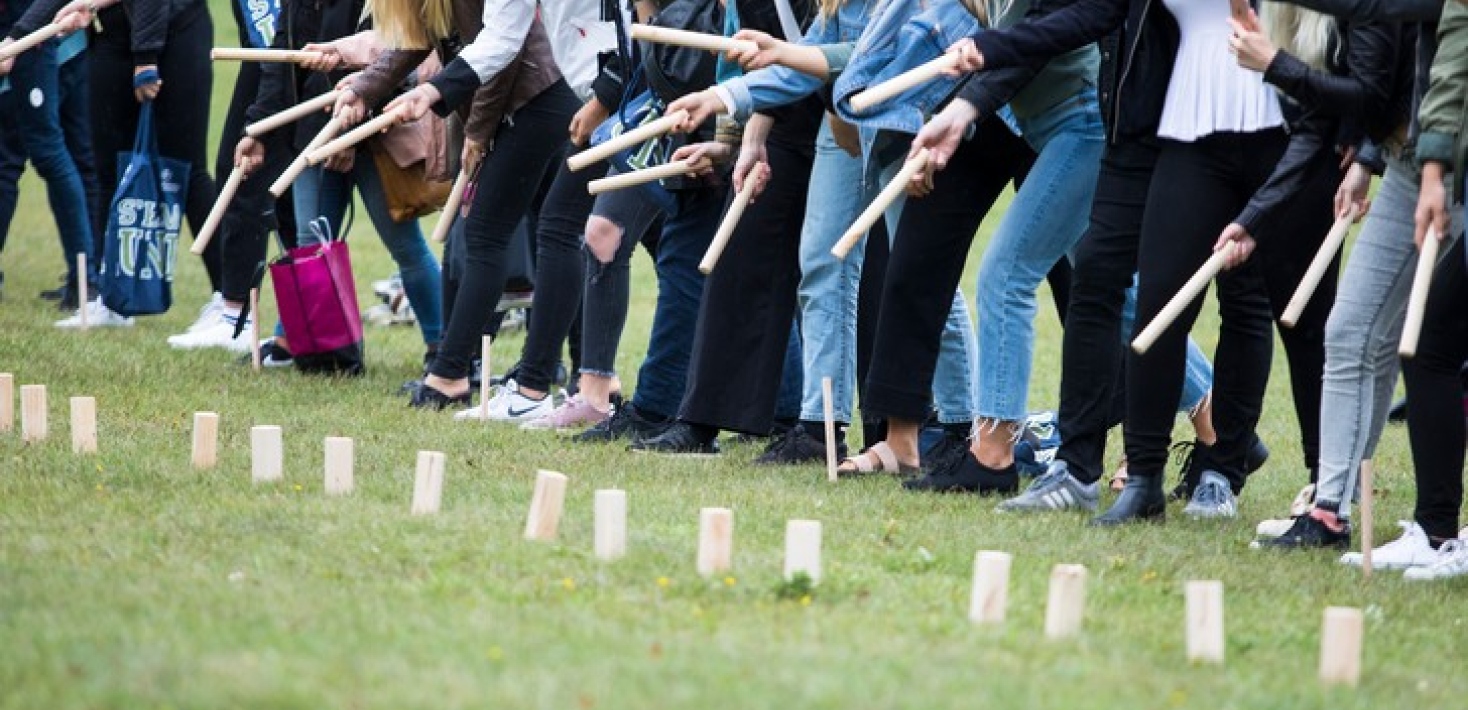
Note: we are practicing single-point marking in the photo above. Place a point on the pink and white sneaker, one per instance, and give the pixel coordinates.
(574, 413)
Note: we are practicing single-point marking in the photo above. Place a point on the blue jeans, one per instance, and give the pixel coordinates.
(1040, 227)
(686, 234)
(787, 401)
(326, 193)
(1198, 376)
(827, 297)
(34, 100)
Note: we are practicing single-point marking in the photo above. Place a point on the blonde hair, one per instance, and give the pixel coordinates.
(989, 12)
(410, 24)
(1304, 33)
(830, 7)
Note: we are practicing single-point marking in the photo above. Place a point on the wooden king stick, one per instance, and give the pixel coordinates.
(246, 54)
(696, 40)
(1183, 299)
(639, 177)
(292, 114)
(909, 79)
(641, 134)
(874, 211)
(1313, 276)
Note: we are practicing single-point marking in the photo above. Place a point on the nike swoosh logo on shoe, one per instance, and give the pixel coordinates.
(520, 412)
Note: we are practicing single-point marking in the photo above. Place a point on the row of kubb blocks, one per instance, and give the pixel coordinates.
(1341, 639)
(34, 423)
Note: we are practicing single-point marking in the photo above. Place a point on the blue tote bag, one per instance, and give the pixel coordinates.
(142, 226)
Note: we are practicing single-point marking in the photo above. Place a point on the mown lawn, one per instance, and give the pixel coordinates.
(128, 580)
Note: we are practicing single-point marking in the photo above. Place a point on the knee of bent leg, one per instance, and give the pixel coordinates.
(603, 237)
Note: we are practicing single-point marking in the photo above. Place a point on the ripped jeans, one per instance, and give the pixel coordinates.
(608, 282)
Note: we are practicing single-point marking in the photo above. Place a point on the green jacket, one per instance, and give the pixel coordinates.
(1444, 113)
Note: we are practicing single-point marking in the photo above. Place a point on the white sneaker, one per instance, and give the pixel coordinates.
(208, 313)
(219, 334)
(508, 405)
(1304, 501)
(98, 316)
(1452, 561)
(1412, 549)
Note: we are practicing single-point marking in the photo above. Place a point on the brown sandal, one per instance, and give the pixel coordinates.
(886, 462)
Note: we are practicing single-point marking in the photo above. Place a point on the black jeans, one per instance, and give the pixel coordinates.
(233, 259)
(1284, 256)
(524, 148)
(1435, 389)
(748, 304)
(926, 264)
(181, 111)
(559, 271)
(1197, 189)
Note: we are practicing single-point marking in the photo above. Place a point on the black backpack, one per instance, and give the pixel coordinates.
(673, 72)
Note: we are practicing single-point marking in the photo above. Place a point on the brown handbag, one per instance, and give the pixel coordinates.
(409, 192)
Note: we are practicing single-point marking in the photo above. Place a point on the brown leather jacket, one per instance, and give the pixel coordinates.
(533, 71)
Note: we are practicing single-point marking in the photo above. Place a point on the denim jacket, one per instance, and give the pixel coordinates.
(903, 35)
(779, 85)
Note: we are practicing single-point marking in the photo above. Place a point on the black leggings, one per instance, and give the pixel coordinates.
(1197, 189)
(508, 180)
(180, 113)
(926, 264)
(1284, 256)
(1435, 388)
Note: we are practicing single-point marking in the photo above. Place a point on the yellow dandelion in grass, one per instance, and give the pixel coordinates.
(664, 582)
(101, 487)
(729, 581)
(299, 488)
(494, 653)
(569, 584)
(805, 600)
(1149, 575)
(697, 612)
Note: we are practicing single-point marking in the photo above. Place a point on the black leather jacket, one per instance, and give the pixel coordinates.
(1331, 109)
(148, 20)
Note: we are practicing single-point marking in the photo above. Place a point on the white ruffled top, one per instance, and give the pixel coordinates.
(1209, 91)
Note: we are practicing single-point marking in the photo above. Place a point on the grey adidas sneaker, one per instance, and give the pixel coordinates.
(1054, 490)
(1213, 498)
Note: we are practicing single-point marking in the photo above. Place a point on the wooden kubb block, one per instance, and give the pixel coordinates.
(715, 540)
(84, 425)
(803, 549)
(33, 426)
(338, 463)
(428, 484)
(1340, 646)
(7, 401)
(545, 506)
(267, 454)
(1205, 627)
(611, 524)
(990, 598)
(1065, 610)
(206, 440)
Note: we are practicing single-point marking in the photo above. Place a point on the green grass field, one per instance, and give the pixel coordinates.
(128, 580)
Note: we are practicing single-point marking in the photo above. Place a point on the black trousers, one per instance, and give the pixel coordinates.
(1197, 189)
(181, 111)
(233, 258)
(559, 270)
(1284, 256)
(926, 264)
(508, 181)
(1435, 388)
(748, 302)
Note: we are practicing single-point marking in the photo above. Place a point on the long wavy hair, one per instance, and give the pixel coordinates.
(411, 24)
(989, 12)
(1306, 34)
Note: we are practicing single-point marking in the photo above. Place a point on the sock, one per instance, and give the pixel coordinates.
(959, 430)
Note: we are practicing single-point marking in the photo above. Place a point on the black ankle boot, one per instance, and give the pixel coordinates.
(1141, 500)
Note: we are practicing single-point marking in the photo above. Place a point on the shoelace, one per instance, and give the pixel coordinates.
(1182, 454)
(1452, 557)
(1210, 494)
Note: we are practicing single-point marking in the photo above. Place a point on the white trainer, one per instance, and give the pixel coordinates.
(219, 334)
(98, 316)
(1452, 561)
(508, 405)
(1412, 549)
(208, 313)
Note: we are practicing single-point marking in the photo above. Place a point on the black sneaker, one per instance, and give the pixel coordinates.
(967, 476)
(946, 453)
(625, 423)
(426, 397)
(797, 448)
(1308, 533)
(55, 294)
(679, 439)
(1187, 453)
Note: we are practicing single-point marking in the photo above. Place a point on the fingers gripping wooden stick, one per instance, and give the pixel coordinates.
(29, 41)
(1421, 284)
(1183, 299)
(639, 177)
(246, 54)
(451, 207)
(909, 79)
(731, 220)
(1323, 259)
(636, 136)
(216, 215)
(878, 206)
(355, 136)
(696, 40)
(291, 115)
(298, 165)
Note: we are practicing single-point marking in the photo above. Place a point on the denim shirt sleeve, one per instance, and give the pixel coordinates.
(778, 85)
